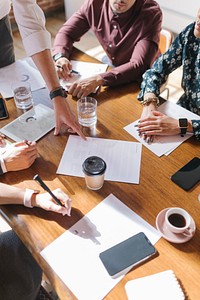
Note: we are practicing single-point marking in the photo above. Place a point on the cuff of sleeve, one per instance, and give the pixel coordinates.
(27, 197)
(2, 166)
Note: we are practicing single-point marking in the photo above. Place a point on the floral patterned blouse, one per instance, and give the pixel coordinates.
(185, 52)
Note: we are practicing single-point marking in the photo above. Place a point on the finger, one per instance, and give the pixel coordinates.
(157, 113)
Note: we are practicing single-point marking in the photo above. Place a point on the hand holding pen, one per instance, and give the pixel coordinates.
(64, 69)
(47, 201)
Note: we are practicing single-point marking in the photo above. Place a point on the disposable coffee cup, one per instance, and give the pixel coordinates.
(94, 169)
(178, 220)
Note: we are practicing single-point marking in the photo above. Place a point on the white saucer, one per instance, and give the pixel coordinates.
(167, 234)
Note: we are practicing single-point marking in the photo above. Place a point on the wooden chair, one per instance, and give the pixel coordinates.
(166, 38)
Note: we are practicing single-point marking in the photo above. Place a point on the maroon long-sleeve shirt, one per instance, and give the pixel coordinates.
(129, 39)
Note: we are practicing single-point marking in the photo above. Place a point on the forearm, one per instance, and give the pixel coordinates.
(11, 194)
(141, 59)
(45, 65)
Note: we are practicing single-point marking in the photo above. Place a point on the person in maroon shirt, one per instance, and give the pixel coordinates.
(128, 30)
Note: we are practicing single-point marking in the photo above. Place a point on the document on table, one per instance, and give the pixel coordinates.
(122, 158)
(85, 70)
(78, 263)
(22, 70)
(165, 144)
(36, 123)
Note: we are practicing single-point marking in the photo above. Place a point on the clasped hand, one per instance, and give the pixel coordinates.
(157, 123)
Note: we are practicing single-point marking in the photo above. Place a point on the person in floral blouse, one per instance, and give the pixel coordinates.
(185, 52)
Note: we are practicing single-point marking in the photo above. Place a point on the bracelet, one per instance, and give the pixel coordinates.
(150, 100)
(59, 91)
(27, 197)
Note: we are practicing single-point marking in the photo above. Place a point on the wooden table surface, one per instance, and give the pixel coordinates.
(117, 107)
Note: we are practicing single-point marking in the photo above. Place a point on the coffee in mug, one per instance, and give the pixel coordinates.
(178, 220)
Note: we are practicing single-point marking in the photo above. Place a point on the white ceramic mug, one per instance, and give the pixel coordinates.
(178, 220)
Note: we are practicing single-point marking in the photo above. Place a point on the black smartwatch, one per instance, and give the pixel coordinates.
(58, 92)
(183, 125)
(58, 55)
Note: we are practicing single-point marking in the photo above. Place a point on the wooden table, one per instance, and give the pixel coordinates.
(117, 107)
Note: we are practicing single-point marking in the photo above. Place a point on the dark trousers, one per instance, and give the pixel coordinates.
(7, 55)
(20, 275)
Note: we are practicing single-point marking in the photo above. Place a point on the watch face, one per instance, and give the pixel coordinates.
(183, 122)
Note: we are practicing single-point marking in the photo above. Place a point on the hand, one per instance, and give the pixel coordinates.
(2, 140)
(63, 68)
(19, 156)
(64, 115)
(46, 202)
(84, 87)
(158, 124)
(147, 113)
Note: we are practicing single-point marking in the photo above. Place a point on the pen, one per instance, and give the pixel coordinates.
(71, 71)
(45, 187)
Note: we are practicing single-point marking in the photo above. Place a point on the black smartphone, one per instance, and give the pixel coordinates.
(3, 109)
(189, 175)
(127, 254)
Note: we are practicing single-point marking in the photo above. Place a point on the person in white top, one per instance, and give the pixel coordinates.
(37, 43)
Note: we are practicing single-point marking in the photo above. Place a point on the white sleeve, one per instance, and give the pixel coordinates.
(31, 22)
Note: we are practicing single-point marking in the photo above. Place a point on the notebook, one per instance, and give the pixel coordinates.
(163, 285)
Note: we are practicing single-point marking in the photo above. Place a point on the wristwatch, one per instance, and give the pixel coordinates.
(183, 125)
(58, 92)
(58, 55)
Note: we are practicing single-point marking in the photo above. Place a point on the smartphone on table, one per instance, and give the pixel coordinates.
(3, 109)
(189, 175)
(127, 254)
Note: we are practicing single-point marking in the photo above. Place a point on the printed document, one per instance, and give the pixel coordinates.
(78, 263)
(122, 158)
(21, 70)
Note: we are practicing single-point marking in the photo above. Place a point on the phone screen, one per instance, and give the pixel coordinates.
(3, 109)
(128, 253)
(188, 175)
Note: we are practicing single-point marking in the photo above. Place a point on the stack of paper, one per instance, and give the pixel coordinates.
(160, 286)
(165, 144)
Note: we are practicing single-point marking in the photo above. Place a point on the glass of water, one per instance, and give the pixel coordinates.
(87, 111)
(22, 95)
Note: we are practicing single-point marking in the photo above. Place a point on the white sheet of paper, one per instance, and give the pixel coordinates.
(85, 70)
(122, 158)
(74, 256)
(165, 144)
(39, 121)
(23, 69)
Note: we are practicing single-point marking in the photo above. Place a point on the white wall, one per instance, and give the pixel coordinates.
(176, 13)
(71, 6)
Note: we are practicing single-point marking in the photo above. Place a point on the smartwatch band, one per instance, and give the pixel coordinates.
(27, 197)
(58, 92)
